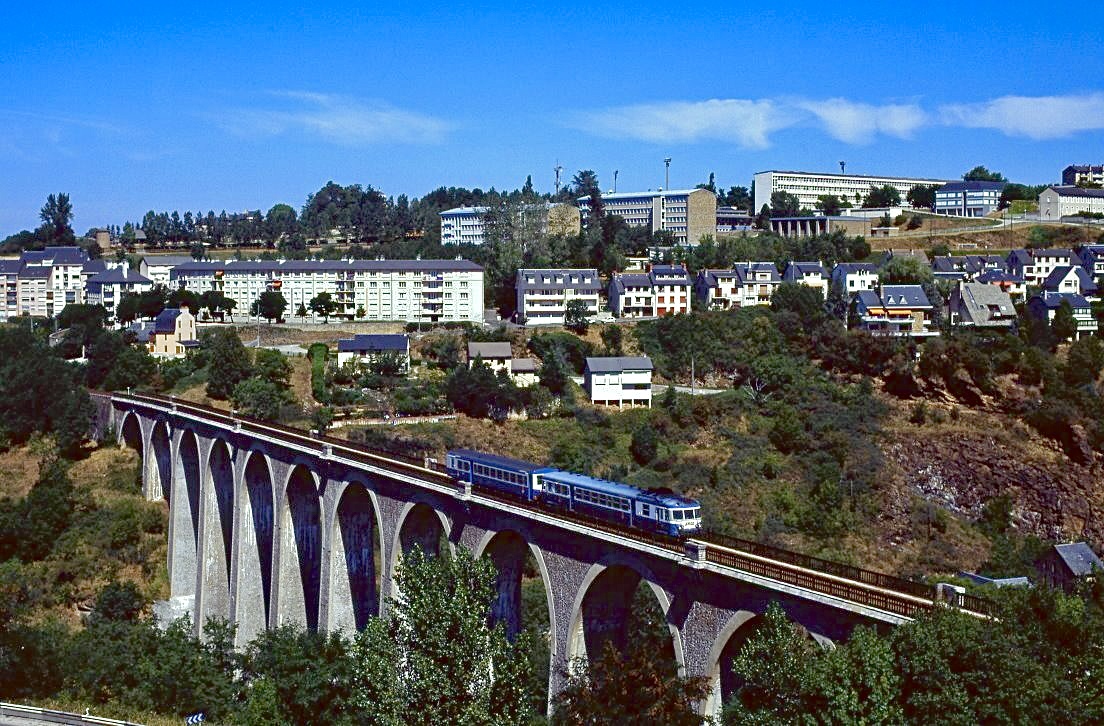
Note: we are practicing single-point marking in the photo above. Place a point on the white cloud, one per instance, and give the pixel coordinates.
(858, 123)
(338, 119)
(745, 122)
(1036, 117)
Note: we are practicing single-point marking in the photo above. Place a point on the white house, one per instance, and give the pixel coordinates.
(852, 277)
(543, 295)
(173, 334)
(810, 274)
(158, 268)
(365, 349)
(619, 380)
(1045, 305)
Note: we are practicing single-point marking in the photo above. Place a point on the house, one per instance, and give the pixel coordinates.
(543, 295)
(524, 371)
(1063, 565)
(497, 355)
(108, 287)
(1072, 278)
(661, 290)
(1044, 305)
(894, 310)
(715, 289)
(1033, 266)
(365, 349)
(1092, 259)
(811, 274)
(619, 380)
(851, 277)
(159, 267)
(755, 283)
(1006, 281)
(977, 305)
(173, 334)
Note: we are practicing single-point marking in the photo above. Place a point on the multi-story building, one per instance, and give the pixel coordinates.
(1083, 174)
(851, 277)
(662, 290)
(43, 282)
(965, 267)
(808, 185)
(9, 280)
(619, 381)
(466, 225)
(968, 198)
(158, 268)
(1045, 305)
(1033, 266)
(732, 219)
(755, 283)
(811, 274)
(543, 295)
(687, 214)
(1069, 201)
(408, 290)
(894, 310)
(108, 287)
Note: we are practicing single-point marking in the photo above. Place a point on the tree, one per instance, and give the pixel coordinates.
(738, 197)
(1064, 325)
(883, 196)
(612, 337)
(905, 271)
(269, 305)
(645, 444)
(980, 173)
(227, 361)
(216, 303)
(806, 302)
(198, 251)
(280, 223)
(260, 397)
(576, 313)
(57, 218)
(434, 660)
(323, 304)
(301, 311)
(831, 205)
(922, 196)
(784, 204)
(272, 366)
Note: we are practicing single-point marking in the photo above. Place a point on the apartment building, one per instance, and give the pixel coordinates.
(716, 289)
(466, 225)
(688, 214)
(543, 295)
(968, 198)
(661, 290)
(415, 291)
(1069, 201)
(1035, 265)
(619, 380)
(733, 219)
(43, 282)
(158, 268)
(1072, 278)
(108, 287)
(808, 185)
(1083, 174)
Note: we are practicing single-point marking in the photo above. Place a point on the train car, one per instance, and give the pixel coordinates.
(512, 476)
(620, 503)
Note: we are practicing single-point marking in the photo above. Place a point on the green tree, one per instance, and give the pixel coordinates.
(227, 359)
(883, 196)
(260, 398)
(1064, 325)
(576, 314)
(831, 205)
(57, 217)
(922, 196)
(644, 445)
(784, 204)
(613, 338)
(905, 271)
(216, 303)
(323, 304)
(806, 302)
(980, 173)
(269, 305)
(301, 311)
(272, 365)
(198, 251)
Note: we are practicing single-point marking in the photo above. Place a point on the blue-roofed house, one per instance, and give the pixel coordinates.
(366, 349)
(1064, 565)
(1044, 305)
(851, 277)
(1072, 278)
(1006, 281)
(1092, 259)
(755, 283)
(895, 310)
(619, 380)
(174, 333)
(1035, 265)
(811, 274)
(715, 289)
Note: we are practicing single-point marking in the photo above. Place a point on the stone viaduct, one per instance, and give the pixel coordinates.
(269, 525)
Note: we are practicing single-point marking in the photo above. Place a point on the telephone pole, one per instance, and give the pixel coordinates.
(667, 173)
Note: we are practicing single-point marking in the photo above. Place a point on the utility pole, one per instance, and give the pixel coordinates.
(667, 174)
(615, 181)
(557, 169)
(692, 389)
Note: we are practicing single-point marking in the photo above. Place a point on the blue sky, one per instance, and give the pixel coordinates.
(195, 106)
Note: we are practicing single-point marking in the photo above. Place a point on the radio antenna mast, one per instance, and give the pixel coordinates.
(557, 169)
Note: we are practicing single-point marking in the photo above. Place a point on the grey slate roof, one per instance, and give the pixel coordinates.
(797, 270)
(117, 275)
(1074, 191)
(1078, 558)
(169, 260)
(166, 320)
(329, 265)
(1053, 300)
(904, 296)
(67, 255)
(986, 303)
(523, 365)
(373, 343)
(94, 267)
(620, 282)
(868, 299)
(848, 268)
(991, 276)
(594, 285)
(670, 274)
(487, 351)
(1084, 279)
(616, 364)
(31, 272)
(745, 270)
(972, 186)
(711, 277)
(10, 267)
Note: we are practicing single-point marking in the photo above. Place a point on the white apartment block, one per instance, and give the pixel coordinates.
(661, 290)
(466, 225)
(619, 381)
(543, 295)
(808, 185)
(968, 198)
(42, 282)
(685, 213)
(398, 290)
(1069, 201)
(108, 287)
(158, 268)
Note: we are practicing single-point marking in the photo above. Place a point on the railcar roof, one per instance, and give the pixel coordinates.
(503, 461)
(618, 489)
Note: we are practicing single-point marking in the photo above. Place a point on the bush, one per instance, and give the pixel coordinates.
(918, 414)
(318, 353)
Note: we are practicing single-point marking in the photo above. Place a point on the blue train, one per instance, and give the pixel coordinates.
(666, 513)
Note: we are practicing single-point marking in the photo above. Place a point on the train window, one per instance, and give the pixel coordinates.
(697, 514)
(677, 513)
(646, 510)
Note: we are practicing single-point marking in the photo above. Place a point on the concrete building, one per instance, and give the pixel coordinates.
(1069, 201)
(661, 290)
(108, 287)
(810, 274)
(365, 349)
(977, 305)
(815, 225)
(543, 295)
(732, 219)
(619, 381)
(414, 291)
(1044, 306)
(158, 268)
(466, 225)
(894, 310)
(968, 198)
(808, 185)
(1083, 174)
(173, 334)
(687, 214)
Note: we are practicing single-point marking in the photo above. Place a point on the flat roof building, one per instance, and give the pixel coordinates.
(687, 214)
(968, 198)
(808, 185)
(467, 225)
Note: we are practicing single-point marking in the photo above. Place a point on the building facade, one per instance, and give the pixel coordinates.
(661, 290)
(543, 295)
(852, 277)
(173, 334)
(365, 349)
(810, 274)
(158, 268)
(108, 287)
(1044, 306)
(1083, 174)
(1069, 201)
(619, 380)
(808, 185)
(816, 225)
(968, 198)
(894, 310)
(413, 291)
(467, 225)
(687, 214)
